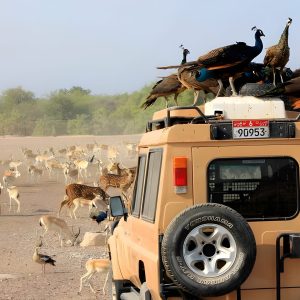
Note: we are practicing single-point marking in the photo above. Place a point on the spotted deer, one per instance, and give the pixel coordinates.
(122, 181)
(121, 171)
(76, 190)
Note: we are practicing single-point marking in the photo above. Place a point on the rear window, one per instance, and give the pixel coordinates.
(259, 189)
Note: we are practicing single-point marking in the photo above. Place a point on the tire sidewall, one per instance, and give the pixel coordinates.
(209, 214)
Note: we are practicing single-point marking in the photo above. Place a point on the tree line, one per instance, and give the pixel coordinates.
(76, 111)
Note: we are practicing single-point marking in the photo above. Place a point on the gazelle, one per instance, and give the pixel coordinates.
(35, 172)
(92, 266)
(80, 202)
(82, 165)
(15, 164)
(13, 194)
(51, 223)
(69, 173)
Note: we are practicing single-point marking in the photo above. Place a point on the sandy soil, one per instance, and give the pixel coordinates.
(20, 277)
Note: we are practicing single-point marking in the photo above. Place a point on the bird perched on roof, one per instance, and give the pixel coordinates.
(278, 55)
(42, 258)
(167, 86)
(290, 88)
(226, 62)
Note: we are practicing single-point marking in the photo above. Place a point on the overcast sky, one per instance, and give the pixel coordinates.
(114, 46)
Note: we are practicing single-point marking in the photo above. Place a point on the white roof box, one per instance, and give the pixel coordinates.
(246, 107)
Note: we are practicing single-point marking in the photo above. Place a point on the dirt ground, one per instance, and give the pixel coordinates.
(20, 277)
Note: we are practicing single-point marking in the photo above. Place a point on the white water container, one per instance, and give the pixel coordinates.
(246, 107)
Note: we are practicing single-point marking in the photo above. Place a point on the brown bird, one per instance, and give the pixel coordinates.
(166, 87)
(290, 89)
(278, 55)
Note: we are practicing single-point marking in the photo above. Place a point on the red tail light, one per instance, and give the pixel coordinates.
(180, 174)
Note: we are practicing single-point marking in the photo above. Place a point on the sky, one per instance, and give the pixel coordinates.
(114, 46)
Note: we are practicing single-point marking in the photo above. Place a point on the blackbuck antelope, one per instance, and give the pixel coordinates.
(13, 194)
(51, 223)
(34, 172)
(92, 266)
(76, 190)
(42, 258)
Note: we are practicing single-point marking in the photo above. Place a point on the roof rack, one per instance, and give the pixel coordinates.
(220, 129)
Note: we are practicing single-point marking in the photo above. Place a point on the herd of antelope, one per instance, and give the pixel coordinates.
(75, 166)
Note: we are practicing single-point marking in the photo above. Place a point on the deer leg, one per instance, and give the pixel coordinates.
(82, 278)
(9, 203)
(90, 284)
(105, 282)
(76, 207)
(18, 203)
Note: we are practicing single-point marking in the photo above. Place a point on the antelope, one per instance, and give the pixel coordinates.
(10, 176)
(35, 172)
(82, 165)
(15, 164)
(51, 223)
(42, 258)
(51, 165)
(92, 266)
(80, 202)
(76, 190)
(13, 194)
(70, 174)
(43, 158)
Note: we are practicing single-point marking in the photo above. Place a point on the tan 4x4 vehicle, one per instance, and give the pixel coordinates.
(215, 208)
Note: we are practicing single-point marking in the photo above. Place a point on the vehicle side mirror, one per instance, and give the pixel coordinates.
(117, 208)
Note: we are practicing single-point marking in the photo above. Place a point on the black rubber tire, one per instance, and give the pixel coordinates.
(224, 218)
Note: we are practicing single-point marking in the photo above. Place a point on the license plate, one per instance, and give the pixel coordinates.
(250, 129)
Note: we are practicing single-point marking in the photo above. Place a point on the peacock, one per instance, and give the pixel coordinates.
(167, 86)
(225, 63)
(189, 77)
(278, 55)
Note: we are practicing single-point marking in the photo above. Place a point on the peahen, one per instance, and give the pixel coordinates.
(226, 62)
(278, 55)
(167, 86)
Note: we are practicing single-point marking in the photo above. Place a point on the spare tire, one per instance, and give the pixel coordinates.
(208, 250)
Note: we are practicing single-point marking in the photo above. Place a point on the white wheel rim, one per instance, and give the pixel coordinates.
(209, 250)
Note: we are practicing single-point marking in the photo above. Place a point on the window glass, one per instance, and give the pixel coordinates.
(264, 188)
(152, 185)
(138, 192)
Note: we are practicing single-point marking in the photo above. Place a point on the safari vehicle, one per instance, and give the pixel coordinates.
(215, 208)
